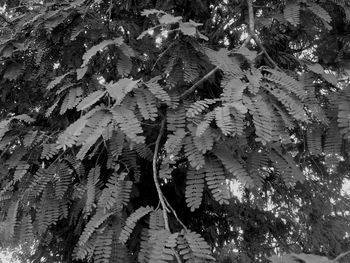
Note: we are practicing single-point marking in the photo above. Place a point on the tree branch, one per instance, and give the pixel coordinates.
(5, 19)
(251, 34)
(175, 214)
(162, 198)
(340, 256)
(162, 54)
(251, 31)
(195, 85)
(251, 27)
(258, 42)
(155, 176)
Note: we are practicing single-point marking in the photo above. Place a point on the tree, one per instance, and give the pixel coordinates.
(125, 125)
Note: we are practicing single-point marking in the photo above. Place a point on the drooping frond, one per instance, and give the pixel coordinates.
(233, 166)
(11, 219)
(49, 150)
(26, 229)
(4, 124)
(144, 151)
(312, 104)
(176, 119)
(222, 60)
(256, 163)
(193, 247)
(199, 106)
(156, 220)
(287, 82)
(194, 188)
(333, 140)
(130, 159)
(147, 104)
(93, 50)
(157, 90)
(41, 179)
(237, 120)
(50, 110)
(343, 119)
(94, 223)
(216, 181)
(174, 142)
(30, 138)
(103, 244)
(223, 119)
(320, 12)
(85, 250)
(124, 64)
(194, 156)
(232, 90)
(48, 212)
(72, 98)
(120, 89)
(91, 99)
(162, 242)
(64, 179)
(128, 123)
(264, 119)
(166, 169)
(205, 142)
(92, 180)
(156, 223)
(286, 166)
(57, 81)
(314, 140)
(16, 157)
(292, 13)
(191, 70)
(19, 173)
(115, 146)
(204, 125)
(130, 223)
(293, 105)
(176, 74)
(115, 194)
(285, 117)
(94, 129)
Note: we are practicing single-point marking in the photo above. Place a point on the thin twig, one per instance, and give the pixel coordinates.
(177, 256)
(5, 150)
(162, 54)
(175, 214)
(340, 256)
(195, 85)
(246, 41)
(258, 42)
(155, 176)
(159, 191)
(5, 19)
(251, 28)
(251, 31)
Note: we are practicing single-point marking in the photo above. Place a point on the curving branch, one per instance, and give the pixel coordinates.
(155, 176)
(195, 85)
(251, 26)
(2, 16)
(175, 214)
(336, 260)
(162, 54)
(252, 34)
(163, 202)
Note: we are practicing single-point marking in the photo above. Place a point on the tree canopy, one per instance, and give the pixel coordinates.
(175, 131)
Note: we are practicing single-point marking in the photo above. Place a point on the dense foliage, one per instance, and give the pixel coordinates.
(175, 131)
